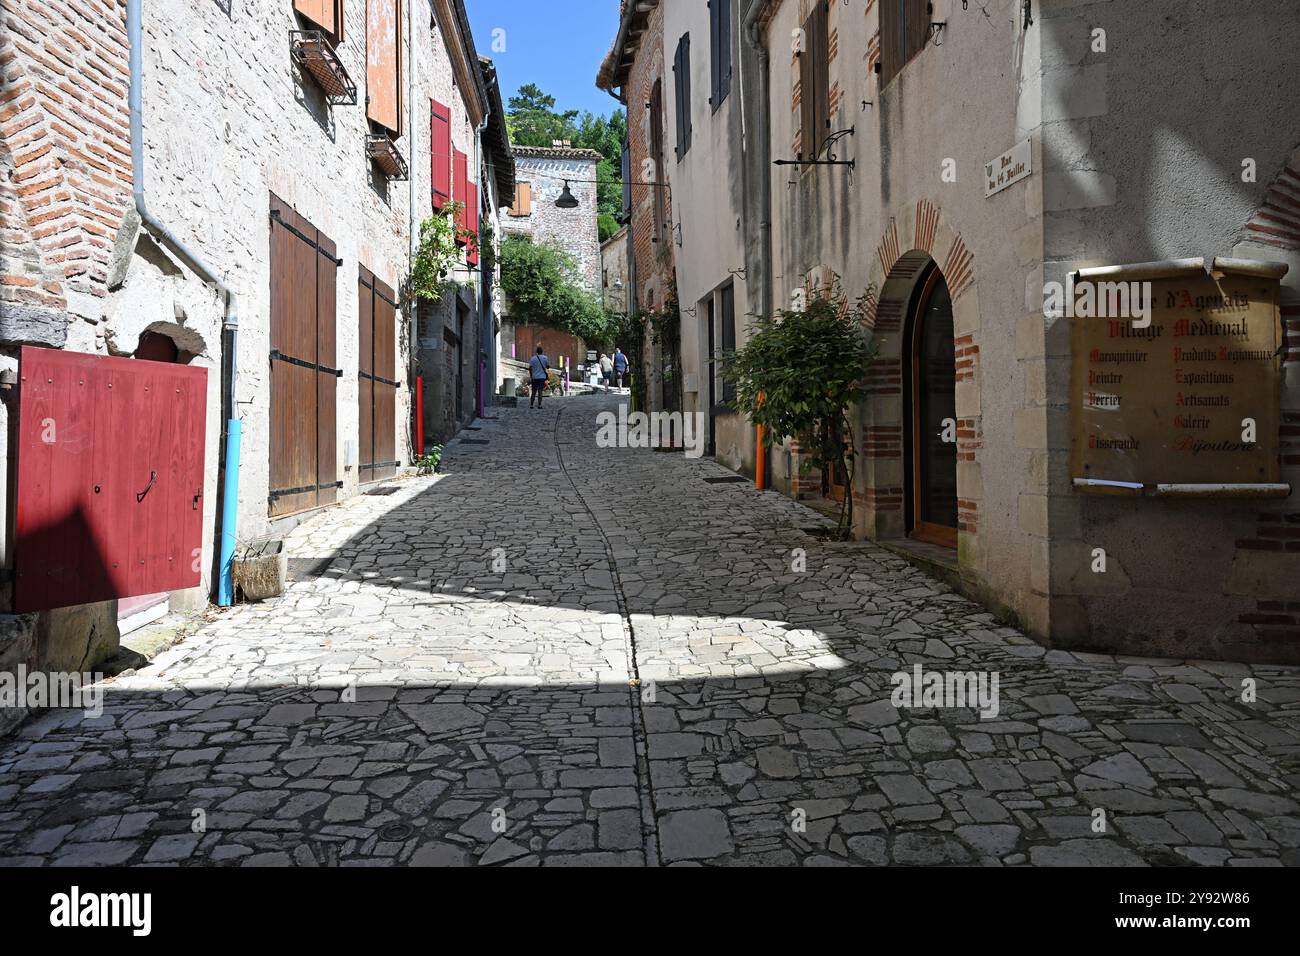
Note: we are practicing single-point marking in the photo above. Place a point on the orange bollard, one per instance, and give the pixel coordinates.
(760, 455)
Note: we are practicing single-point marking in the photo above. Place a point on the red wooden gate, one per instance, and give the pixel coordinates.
(304, 381)
(110, 478)
(377, 360)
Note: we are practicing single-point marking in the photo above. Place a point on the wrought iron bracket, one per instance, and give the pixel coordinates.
(828, 150)
(313, 51)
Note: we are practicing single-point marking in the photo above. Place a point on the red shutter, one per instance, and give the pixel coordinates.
(460, 166)
(440, 149)
(472, 219)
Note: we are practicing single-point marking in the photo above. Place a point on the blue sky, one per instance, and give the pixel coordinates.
(557, 44)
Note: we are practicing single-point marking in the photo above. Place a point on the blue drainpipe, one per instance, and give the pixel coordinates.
(229, 325)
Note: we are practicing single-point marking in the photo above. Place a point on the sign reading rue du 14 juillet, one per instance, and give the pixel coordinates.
(1182, 387)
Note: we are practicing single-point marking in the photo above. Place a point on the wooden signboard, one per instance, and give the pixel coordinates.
(1176, 378)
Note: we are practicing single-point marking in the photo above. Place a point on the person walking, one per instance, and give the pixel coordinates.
(606, 369)
(539, 369)
(620, 368)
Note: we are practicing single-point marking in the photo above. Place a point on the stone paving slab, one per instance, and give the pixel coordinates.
(561, 655)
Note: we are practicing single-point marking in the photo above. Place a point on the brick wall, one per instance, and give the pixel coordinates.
(65, 161)
(653, 261)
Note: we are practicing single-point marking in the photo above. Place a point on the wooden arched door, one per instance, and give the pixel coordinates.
(933, 504)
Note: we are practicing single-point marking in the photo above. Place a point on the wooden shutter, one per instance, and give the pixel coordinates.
(891, 39)
(460, 167)
(440, 152)
(820, 74)
(682, 82)
(377, 378)
(326, 14)
(523, 204)
(657, 152)
(304, 379)
(904, 26)
(719, 51)
(917, 27)
(471, 220)
(814, 81)
(384, 64)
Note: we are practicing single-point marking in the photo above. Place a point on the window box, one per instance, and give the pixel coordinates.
(383, 153)
(313, 51)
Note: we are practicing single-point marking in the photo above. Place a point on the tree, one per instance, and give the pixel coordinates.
(798, 375)
(532, 120)
(541, 282)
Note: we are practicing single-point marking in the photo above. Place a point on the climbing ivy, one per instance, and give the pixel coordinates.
(442, 247)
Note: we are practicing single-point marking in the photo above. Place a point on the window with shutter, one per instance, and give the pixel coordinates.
(384, 64)
(720, 51)
(326, 14)
(440, 153)
(626, 168)
(814, 80)
(682, 79)
(657, 154)
(904, 27)
(460, 165)
(471, 219)
(523, 204)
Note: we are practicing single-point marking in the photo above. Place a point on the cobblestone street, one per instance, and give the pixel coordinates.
(451, 680)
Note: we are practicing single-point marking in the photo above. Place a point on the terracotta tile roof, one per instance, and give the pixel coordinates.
(557, 152)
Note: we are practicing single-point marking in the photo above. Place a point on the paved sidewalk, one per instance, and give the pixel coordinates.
(563, 655)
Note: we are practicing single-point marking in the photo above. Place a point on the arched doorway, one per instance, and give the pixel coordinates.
(930, 403)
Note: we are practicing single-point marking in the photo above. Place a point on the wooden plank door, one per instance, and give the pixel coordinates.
(304, 379)
(377, 374)
(110, 465)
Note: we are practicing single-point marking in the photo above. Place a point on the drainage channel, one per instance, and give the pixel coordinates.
(645, 787)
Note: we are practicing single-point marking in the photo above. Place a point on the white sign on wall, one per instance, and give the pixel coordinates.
(1008, 169)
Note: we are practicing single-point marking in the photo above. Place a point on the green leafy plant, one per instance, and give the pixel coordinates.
(428, 464)
(541, 282)
(799, 374)
(442, 238)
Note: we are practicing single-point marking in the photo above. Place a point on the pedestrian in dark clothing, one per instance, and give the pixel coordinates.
(539, 368)
(620, 368)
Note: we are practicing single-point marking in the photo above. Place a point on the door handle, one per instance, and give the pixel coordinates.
(153, 476)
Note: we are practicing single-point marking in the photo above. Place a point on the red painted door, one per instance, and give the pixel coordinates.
(110, 478)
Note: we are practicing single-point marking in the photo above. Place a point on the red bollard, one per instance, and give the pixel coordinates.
(419, 416)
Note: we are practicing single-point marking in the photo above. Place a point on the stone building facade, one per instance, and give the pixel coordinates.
(636, 72)
(541, 176)
(232, 124)
(1116, 159)
(615, 276)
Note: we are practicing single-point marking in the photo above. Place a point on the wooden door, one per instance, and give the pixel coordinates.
(110, 471)
(377, 384)
(934, 416)
(304, 379)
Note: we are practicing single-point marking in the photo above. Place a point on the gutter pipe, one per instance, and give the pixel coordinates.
(763, 144)
(229, 465)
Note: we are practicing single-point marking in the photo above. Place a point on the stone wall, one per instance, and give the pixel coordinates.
(575, 231)
(229, 118)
